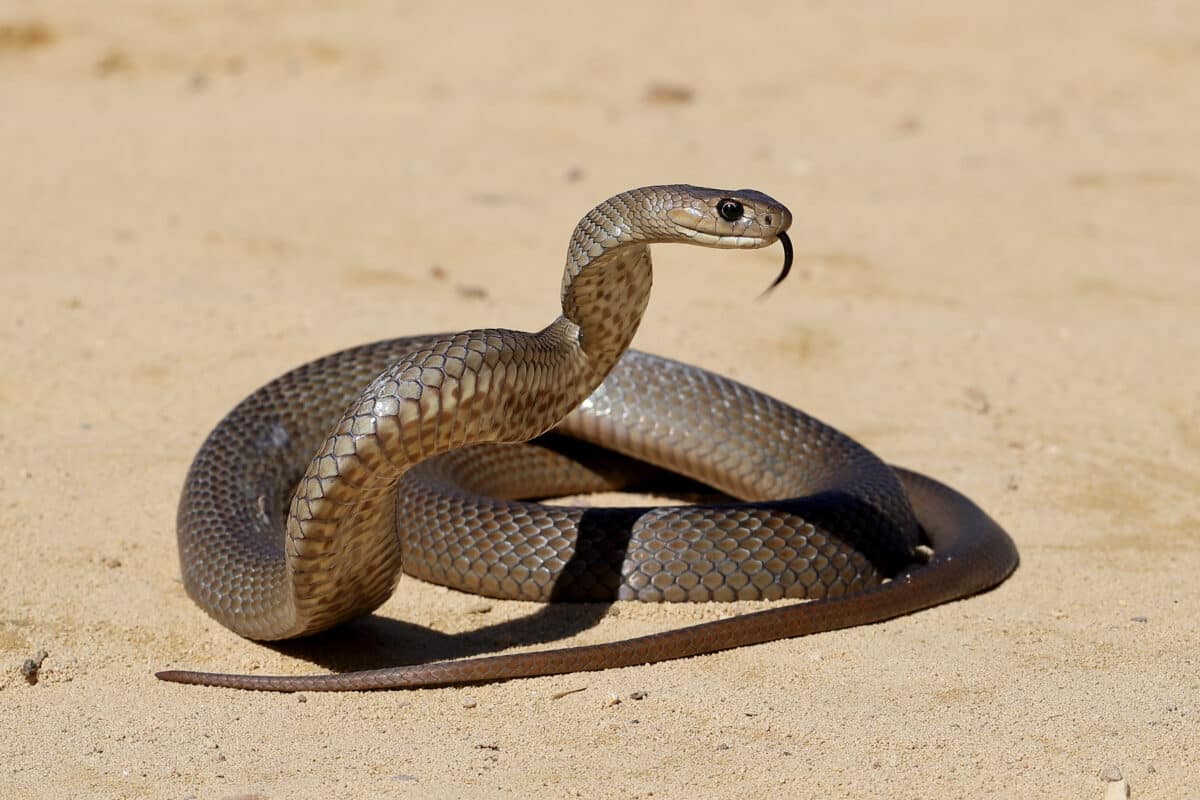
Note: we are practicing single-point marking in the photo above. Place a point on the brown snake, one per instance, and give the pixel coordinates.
(422, 470)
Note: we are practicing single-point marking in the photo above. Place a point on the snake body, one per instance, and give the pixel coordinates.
(424, 471)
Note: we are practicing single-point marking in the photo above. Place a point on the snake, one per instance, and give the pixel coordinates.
(428, 455)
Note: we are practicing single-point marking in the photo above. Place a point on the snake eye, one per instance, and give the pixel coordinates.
(730, 210)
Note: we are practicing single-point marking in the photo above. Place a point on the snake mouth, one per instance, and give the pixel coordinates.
(787, 263)
(723, 240)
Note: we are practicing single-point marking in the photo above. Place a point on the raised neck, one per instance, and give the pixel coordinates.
(607, 280)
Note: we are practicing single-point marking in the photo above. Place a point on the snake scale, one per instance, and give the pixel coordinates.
(309, 499)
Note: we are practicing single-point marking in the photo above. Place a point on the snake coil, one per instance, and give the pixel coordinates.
(309, 499)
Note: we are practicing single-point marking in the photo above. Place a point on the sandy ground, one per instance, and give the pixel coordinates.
(997, 283)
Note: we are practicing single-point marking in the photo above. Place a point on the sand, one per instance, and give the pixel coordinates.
(996, 282)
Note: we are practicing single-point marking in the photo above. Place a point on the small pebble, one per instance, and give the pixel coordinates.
(301, 698)
(468, 702)
(638, 695)
(611, 700)
(1110, 773)
(1140, 618)
(32, 666)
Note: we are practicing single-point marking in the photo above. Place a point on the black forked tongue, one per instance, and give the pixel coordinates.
(787, 264)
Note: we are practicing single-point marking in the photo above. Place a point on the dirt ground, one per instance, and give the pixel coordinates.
(998, 282)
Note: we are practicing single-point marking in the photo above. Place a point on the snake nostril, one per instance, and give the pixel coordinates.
(767, 219)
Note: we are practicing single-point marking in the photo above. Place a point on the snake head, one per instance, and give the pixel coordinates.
(732, 218)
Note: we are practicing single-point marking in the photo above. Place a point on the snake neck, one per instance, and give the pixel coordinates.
(475, 387)
(606, 283)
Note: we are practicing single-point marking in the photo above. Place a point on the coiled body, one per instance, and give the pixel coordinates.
(278, 542)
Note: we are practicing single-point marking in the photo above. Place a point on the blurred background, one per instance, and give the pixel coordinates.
(996, 215)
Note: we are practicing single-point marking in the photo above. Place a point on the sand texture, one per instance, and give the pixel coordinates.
(997, 282)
